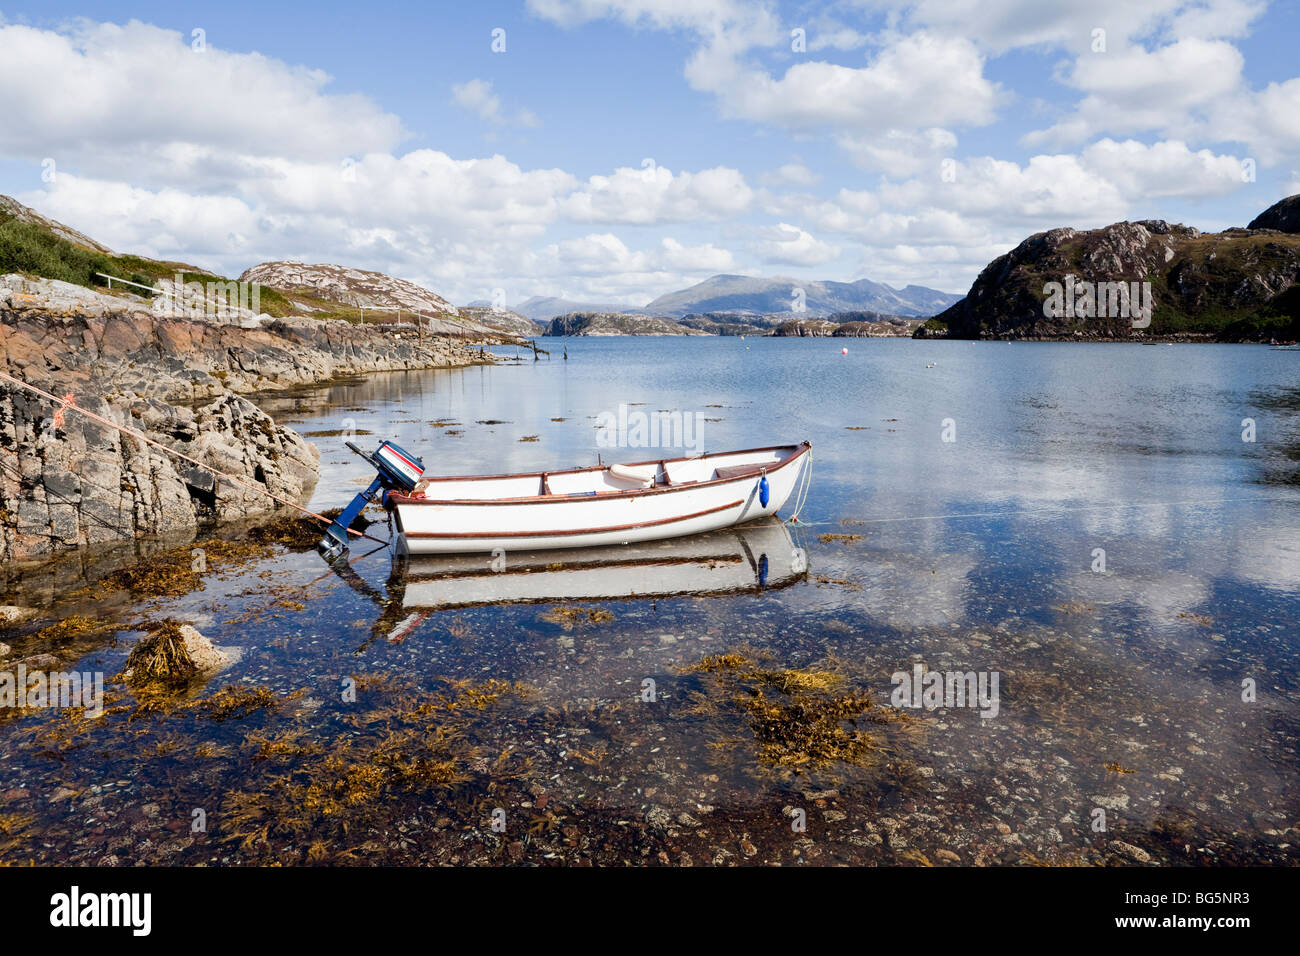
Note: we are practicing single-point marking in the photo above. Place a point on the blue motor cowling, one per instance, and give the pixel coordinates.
(395, 470)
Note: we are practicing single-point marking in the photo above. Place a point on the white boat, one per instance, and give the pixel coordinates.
(591, 507)
(759, 556)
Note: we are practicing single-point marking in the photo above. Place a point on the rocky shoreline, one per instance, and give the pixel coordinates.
(67, 481)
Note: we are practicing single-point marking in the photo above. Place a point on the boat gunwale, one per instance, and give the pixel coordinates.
(566, 532)
(801, 449)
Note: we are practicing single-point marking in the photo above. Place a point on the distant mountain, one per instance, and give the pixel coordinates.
(760, 296)
(616, 323)
(1239, 285)
(543, 308)
(357, 288)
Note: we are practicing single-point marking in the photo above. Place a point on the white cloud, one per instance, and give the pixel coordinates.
(900, 152)
(918, 80)
(705, 17)
(655, 194)
(1167, 168)
(1001, 25)
(915, 81)
(1134, 90)
(791, 174)
(1267, 120)
(478, 97)
(118, 94)
(789, 245)
(158, 224)
(608, 270)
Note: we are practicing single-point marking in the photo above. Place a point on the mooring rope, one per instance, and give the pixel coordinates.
(805, 482)
(66, 404)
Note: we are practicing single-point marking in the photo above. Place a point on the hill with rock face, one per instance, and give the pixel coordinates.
(358, 288)
(616, 323)
(1283, 216)
(1239, 285)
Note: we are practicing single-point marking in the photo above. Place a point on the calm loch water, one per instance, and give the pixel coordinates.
(1112, 531)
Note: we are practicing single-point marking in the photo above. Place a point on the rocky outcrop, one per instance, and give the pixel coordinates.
(66, 480)
(351, 287)
(616, 323)
(834, 327)
(724, 323)
(1283, 216)
(76, 482)
(1237, 285)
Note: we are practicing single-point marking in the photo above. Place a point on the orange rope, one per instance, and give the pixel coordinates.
(67, 404)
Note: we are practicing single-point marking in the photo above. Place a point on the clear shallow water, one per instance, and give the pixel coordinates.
(974, 555)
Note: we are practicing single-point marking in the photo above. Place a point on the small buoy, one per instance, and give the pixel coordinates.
(764, 492)
(844, 351)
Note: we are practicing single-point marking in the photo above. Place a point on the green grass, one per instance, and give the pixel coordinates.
(28, 248)
(33, 250)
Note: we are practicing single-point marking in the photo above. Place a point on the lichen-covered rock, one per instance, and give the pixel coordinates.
(207, 657)
(11, 614)
(355, 287)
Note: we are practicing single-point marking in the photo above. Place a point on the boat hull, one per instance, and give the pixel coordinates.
(730, 496)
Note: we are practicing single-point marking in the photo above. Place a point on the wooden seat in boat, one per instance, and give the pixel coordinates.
(735, 471)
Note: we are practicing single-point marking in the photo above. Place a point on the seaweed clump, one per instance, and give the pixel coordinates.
(298, 531)
(800, 720)
(238, 702)
(179, 570)
(161, 657)
(70, 628)
(12, 826)
(308, 800)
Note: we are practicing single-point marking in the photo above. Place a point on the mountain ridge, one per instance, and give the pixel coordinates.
(808, 298)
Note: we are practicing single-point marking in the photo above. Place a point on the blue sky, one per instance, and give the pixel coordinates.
(618, 149)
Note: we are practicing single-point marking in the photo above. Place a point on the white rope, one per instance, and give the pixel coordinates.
(805, 482)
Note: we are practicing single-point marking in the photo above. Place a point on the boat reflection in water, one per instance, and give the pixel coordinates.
(754, 557)
(746, 558)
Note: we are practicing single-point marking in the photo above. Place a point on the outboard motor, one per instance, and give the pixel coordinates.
(396, 470)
